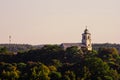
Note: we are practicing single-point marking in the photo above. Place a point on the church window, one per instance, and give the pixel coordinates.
(83, 37)
(88, 37)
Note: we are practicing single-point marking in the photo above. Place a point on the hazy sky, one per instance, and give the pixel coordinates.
(59, 21)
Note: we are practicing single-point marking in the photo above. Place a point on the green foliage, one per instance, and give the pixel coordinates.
(97, 67)
(109, 54)
(51, 49)
(40, 72)
(52, 62)
(10, 72)
(56, 63)
(55, 75)
(17, 47)
(70, 74)
(73, 50)
(3, 50)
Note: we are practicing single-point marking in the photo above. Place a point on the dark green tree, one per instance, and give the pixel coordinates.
(55, 75)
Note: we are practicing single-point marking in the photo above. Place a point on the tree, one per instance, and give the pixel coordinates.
(73, 54)
(73, 50)
(3, 50)
(86, 73)
(51, 49)
(108, 54)
(97, 67)
(114, 75)
(55, 75)
(56, 63)
(70, 75)
(40, 72)
(11, 74)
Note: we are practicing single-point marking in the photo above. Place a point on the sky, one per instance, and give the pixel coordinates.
(59, 21)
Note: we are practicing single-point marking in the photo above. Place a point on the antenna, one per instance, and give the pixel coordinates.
(10, 39)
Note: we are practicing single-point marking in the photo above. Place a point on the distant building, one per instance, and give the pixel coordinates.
(86, 42)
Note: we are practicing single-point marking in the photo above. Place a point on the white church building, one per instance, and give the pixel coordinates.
(85, 43)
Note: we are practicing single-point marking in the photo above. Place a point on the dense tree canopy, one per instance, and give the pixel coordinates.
(52, 62)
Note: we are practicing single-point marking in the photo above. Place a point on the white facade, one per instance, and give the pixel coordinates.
(86, 42)
(86, 39)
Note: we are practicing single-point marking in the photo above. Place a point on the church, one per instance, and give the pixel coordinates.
(85, 42)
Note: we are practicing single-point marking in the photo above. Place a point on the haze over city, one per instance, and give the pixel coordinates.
(59, 21)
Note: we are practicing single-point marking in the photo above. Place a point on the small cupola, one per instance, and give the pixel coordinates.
(86, 31)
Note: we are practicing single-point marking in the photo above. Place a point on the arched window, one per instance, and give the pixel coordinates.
(83, 37)
(88, 37)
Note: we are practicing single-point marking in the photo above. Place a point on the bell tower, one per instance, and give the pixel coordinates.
(86, 39)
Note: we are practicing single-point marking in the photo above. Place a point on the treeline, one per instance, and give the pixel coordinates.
(16, 47)
(97, 46)
(26, 47)
(52, 62)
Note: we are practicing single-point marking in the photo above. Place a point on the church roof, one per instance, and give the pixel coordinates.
(66, 45)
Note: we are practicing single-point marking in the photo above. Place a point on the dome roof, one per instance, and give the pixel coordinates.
(86, 31)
